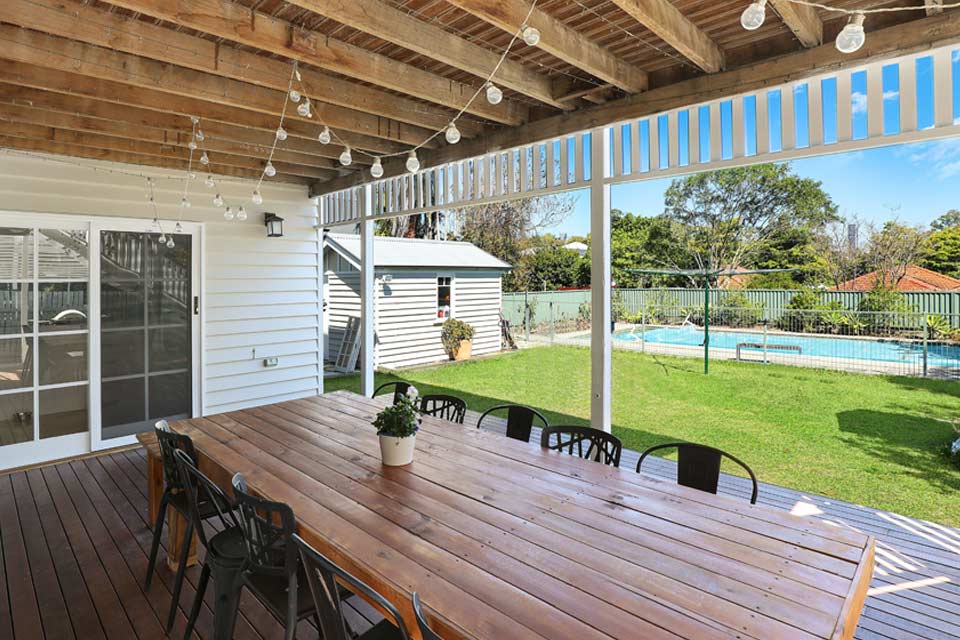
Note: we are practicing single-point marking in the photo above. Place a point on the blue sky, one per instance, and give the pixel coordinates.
(914, 183)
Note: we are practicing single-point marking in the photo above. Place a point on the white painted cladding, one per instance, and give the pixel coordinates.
(407, 329)
(259, 293)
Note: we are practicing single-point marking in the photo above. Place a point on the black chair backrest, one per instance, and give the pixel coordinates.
(520, 419)
(323, 577)
(698, 466)
(268, 529)
(425, 630)
(399, 388)
(201, 490)
(170, 442)
(449, 408)
(601, 446)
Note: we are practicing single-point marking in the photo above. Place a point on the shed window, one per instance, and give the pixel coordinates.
(444, 296)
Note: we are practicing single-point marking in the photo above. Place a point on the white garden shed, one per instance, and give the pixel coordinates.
(418, 284)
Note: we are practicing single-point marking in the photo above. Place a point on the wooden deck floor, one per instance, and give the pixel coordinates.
(74, 542)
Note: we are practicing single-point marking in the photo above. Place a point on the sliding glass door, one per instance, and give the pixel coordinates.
(99, 333)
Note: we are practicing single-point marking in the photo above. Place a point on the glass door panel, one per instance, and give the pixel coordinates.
(146, 352)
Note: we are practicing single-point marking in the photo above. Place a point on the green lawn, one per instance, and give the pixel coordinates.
(872, 440)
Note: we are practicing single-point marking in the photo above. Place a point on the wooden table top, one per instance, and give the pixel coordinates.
(505, 540)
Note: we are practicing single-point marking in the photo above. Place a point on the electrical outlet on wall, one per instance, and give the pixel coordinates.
(271, 362)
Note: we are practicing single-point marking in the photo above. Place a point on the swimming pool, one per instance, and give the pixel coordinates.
(938, 355)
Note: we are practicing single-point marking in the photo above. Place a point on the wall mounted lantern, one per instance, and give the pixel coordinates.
(274, 224)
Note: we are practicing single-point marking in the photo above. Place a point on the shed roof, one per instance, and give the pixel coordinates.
(410, 252)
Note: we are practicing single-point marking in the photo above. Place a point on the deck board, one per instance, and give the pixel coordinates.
(80, 543)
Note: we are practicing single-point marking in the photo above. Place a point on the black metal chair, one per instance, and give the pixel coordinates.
(175, 496)
(225, 552)
(443, 406)
(520, 419)
(400, 388)
(273, 572)
(425, 630)
(601, 446)
(326, 579)
(698, 466)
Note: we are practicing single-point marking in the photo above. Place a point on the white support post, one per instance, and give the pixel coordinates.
(367, 295)
(601, 354)
(321, 336)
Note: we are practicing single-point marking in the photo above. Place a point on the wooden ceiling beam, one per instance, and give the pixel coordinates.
(64, 50)
(236, 23)
(399, 27)
(33, 145)
(12, 110)
(803, 20)
(559, 40)
(13, 129)
(174, 111)
(898, 40)
(674, 28)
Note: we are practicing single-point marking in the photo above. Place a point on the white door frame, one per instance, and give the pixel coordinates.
(38, 451)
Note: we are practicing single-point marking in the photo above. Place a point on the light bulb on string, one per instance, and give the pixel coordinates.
(184, 202)
(852, 36)
(241, 214)
(204, 160)
(413, 163)
(199, 135)
(210, 182)
(162, 239)
(228, 214)
(753, 16)
(178, 228)
(346, 158)
(281, 134)
(192, 145)
(324, 136)
(304, 108)
(192, 175)
(452, 134)
(218, 200)
(530, 35)
(294, 95)
(377, 169)
(170, 243)
(256, 198)
(494, 94)
(269, 170)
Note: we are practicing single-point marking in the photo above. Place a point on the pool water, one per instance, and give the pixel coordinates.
(938, 355)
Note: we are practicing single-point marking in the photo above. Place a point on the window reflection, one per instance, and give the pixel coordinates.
(16, 247)
(16, 307)
(16, 363)
(63, 411)
(64, 253)
(16, 418)
(63, 306)
(63, 359)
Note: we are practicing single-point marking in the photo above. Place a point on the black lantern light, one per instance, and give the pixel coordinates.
(274, 224)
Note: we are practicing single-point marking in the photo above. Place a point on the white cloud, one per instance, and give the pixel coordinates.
(891, 95)
(940, 158)
(858, 102)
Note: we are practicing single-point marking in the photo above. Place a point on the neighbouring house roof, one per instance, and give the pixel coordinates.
(576, 246)
(735, 281)
(917, 278)
(409, 252)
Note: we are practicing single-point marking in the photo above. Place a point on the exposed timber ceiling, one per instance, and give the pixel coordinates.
(120, 79)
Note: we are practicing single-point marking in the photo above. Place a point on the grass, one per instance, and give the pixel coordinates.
(872, 440)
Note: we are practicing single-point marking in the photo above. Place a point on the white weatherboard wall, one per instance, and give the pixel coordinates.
(407, 328)
(260, 296)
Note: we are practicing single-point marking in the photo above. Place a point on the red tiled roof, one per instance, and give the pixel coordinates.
(917, 278)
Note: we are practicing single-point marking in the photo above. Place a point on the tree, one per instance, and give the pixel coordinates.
(726, 216)
(893, 248)
(840, 250)
(943, 252)
(947, 221)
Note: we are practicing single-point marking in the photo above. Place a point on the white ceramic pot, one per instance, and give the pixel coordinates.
(396, 452)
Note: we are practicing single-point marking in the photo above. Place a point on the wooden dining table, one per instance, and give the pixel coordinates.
(504, 540)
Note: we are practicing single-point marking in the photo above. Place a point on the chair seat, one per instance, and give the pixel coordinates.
(180, 502)
(272, 591)
(383, 630)
(228, 545)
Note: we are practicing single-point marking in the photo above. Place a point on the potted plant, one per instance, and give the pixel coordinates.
(397, 426)
(457, 337)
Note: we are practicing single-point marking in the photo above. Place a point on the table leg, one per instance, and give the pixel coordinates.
(176, 524)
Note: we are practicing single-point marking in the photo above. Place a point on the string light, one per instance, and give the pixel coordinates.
(241, 213)
(531, 35)
(185, 202)
(304, 108)
(218, 200)
(852, 36)
(199, 135)
(413, 162)
(294, 95)
(228, 214)
(170, 243)
(257, 198)
(452, 134)
(324, 136)
(204, 160)
(210, 182)
(346, 158)
(178, 228)
(376, 170)
(281, 133)
(494, 94)
(269, 170)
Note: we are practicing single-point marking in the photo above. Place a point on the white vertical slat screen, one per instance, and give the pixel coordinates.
(560, 163)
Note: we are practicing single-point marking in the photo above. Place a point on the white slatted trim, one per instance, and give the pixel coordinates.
(850, 109)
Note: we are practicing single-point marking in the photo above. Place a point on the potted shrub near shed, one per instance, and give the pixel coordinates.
(457, 337)
(397, 426)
